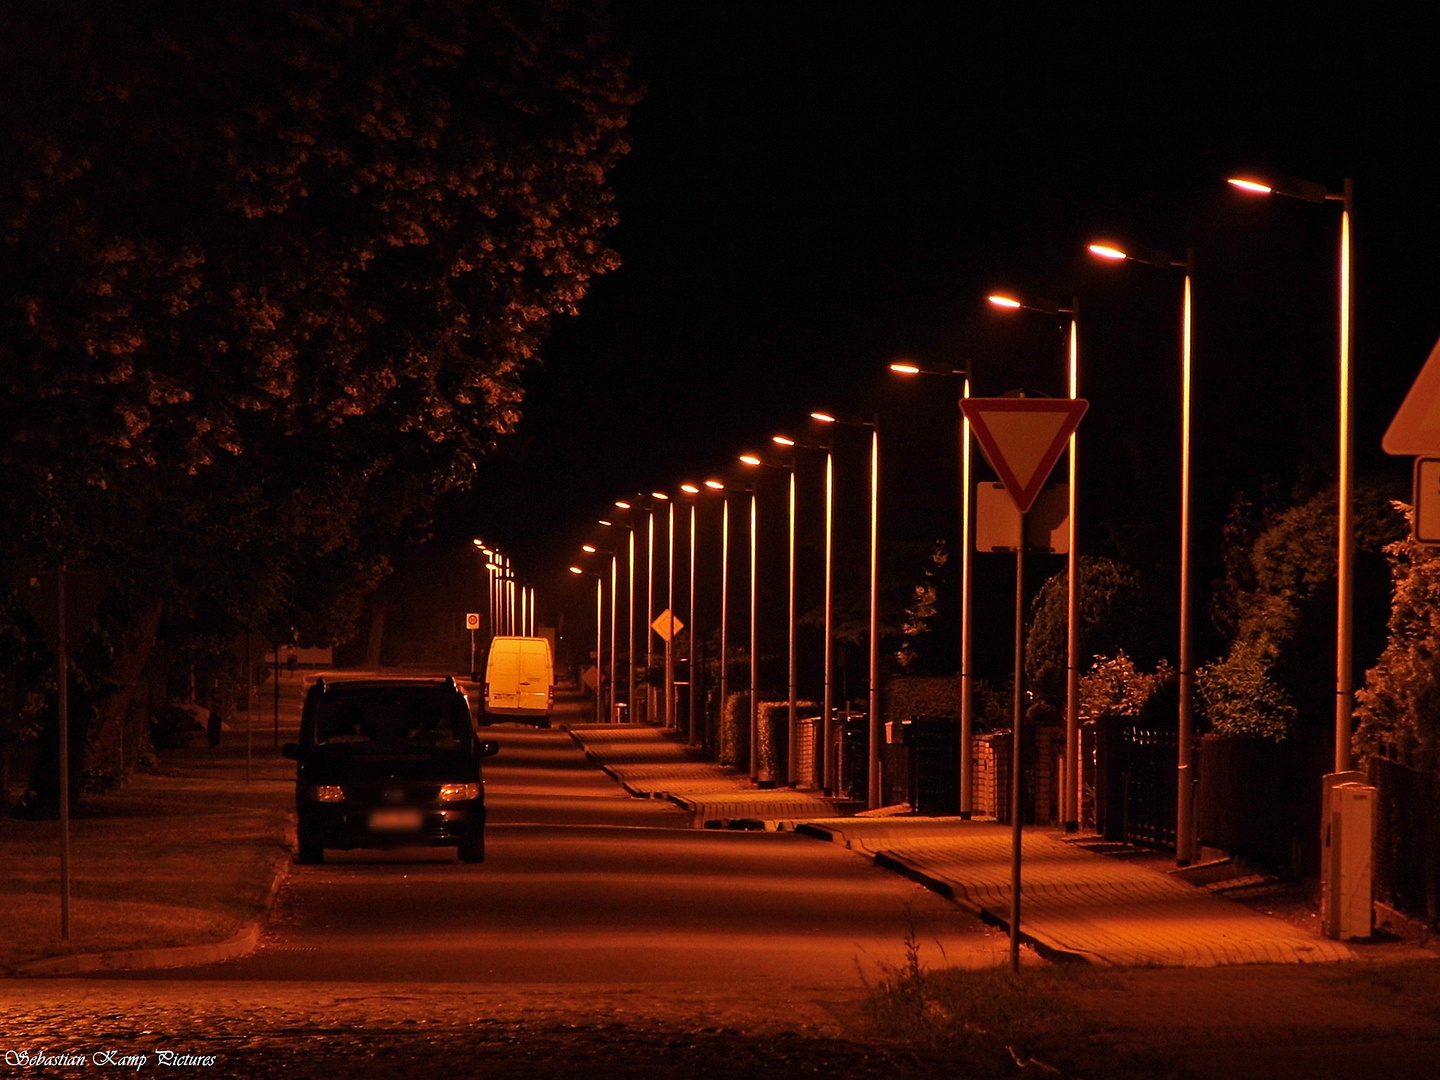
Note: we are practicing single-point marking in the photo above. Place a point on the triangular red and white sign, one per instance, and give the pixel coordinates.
(1022, 438)
(1415, 431)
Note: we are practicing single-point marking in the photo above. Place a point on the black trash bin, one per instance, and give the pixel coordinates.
(934, 743)
(852, 763)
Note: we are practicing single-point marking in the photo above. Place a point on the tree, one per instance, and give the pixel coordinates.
(1112, 620)
(1279, 598)
(1398, 714)
(274, 277)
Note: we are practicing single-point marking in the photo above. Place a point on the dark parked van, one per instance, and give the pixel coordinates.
(388, 763)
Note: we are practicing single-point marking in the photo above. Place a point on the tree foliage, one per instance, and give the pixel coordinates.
(1112, 619)
(275, 270)
(1279, 600)
(1398, 714)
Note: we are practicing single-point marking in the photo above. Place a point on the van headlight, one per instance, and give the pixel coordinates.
(327, 793)
(459, 792)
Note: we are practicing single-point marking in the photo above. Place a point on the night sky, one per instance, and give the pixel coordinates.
(814, 190)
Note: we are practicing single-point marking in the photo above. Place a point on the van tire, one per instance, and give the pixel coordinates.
(472, 850)
(309, 854)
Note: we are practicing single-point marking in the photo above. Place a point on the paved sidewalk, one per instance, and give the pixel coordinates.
(650, 765)
(1075, 904)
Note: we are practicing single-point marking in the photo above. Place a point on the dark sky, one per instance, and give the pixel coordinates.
(814, 189)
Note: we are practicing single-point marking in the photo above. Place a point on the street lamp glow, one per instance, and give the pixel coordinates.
(750, 459)
(690, 489)
(576, 570)
(824, 418)
(622, 504)
(781, 440)
(659, 495)
(904, 367)
(714, 485)
(607, 524)
(1004, 302)
(1252, 186)
(1105, 251)
(588, 547)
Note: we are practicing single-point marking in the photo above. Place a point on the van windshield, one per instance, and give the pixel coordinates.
(393, 719)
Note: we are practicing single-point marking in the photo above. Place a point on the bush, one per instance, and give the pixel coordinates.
(173, 726)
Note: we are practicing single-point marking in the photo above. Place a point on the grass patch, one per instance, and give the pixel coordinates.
(993, 1021)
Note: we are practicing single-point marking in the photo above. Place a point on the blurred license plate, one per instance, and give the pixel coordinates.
(397, 819)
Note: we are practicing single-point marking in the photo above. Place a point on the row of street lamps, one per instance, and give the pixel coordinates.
(1070, 799)
(510, 606)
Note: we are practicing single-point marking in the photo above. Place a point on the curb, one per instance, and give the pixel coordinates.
(232, 948)
(1047, 950)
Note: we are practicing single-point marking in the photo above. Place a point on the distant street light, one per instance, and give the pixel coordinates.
(1184, 786)
(792, 764)
(629, 527)
(1070, 799)
(1309, 191)
(821, 766)
(591, 549)
(599, 635)
(967, 728)
(873, 773)
(692, 724)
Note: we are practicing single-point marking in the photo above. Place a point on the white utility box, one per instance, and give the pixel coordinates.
(1348, 856)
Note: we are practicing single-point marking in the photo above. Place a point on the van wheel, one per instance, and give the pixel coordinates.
(310, 854)
(543, 723)
(472, 850)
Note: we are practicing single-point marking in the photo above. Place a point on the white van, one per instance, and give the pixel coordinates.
(519, 681)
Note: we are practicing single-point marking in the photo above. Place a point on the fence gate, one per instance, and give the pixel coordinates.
(1134, 790)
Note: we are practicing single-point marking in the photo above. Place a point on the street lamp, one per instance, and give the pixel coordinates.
(591, 549)
(1070, 808)
(716, 485)
(629, 527)
(1308, 191)
(821, 767)
(750, 459)
(792, 766)
(599, 634)
(967, 728)
(691, 722)
(670, 607)
(873, 776)
(1184, 787)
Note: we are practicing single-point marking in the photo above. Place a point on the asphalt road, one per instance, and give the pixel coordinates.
(601, 931)
(585, 884)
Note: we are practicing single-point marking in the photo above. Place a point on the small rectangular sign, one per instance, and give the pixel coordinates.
(1427, 501)
(472, 620)
(997, 522)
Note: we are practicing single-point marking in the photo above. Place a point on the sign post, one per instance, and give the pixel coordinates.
(1022, 439)
(472, 623)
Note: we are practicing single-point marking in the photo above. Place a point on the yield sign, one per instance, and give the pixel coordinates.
(1023, 438)
(1416, 427)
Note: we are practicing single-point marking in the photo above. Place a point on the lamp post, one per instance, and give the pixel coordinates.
(1308, 191)
(599, 633)
(820, 761)
(967, 725)
(716, 485)
(754, 635)
(630, 621)
(670, 607)
(591, 549)
(873, 773)
(792, 757)
(1184, 767)
(692, 726)
(1070, 800)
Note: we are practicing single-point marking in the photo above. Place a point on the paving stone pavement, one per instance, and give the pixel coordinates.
(650, 765)
(1075, 904)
